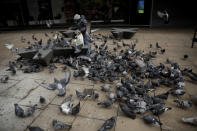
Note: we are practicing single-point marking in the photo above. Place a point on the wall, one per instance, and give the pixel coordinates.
(33, 8)
(57, 8)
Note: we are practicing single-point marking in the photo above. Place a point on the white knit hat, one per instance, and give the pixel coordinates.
(77, 17)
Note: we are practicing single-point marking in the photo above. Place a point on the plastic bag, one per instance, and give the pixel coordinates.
(79, 39)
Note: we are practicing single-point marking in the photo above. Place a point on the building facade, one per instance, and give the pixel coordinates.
(36, 12)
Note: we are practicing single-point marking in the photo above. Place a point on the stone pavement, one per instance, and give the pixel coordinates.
(24, 89)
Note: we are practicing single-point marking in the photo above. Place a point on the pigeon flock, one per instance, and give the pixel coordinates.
(133, 72)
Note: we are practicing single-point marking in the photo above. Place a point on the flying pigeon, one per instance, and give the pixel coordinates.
(164, 16)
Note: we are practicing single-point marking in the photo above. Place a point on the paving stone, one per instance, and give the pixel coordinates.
(52, 112)
(7, 104)
(87, 124)
(92, 110)
(22, 89)
(6, 86)
(172, 119)
(9, 121)
(125, 124)
(34, 97)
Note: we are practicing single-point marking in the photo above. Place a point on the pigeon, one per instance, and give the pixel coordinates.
(106, 103)
(66, 79)
(161, 110)
(163, 96)
(19, 111)
(157, 100)
(34, 38)
(59, 84)
(52, 67)
(42, 99)
(190, 120)
(64, 68)
(58, 125)
(183, 104)
(34, 128)
(127, 111)
(4, 79)
(149, 119)
(95, 95)
(157, 45)
(112, 96)
(46, 34)
(11, 68)
(61, 90)
(49, 23)
(31, 110)
(108, 124)
(51, 86)
(75, 110)
(164, 16)
(185, 56)
(23, 39)
(80, 95)
(66, 106)
(105, 87)
(177, 92)
(163, 51)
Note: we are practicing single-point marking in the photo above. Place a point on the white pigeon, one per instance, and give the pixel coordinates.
(11, 47)
(163, 15)
(49, 23)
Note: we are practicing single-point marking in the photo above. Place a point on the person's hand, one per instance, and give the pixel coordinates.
(69, 28)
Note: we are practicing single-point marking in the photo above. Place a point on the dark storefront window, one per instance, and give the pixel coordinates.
(104, 10)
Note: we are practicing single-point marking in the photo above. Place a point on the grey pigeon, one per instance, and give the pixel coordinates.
(42, 99)
(11, 68)
(105, 87)
(106, 103)
(108, 124)
(127, 111)
(31, 110)
(80, 95)
(58, 125)
(190, 120)
(34, 128)
(51, 86)
(4, 79)
(183, 104)
(163, 96)
(66, 78)
(76, 109)
(150, 119)
(177, 92)
(160, 110)
(112, 96)
(19, 111)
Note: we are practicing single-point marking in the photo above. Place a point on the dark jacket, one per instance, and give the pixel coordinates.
(81, 25)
